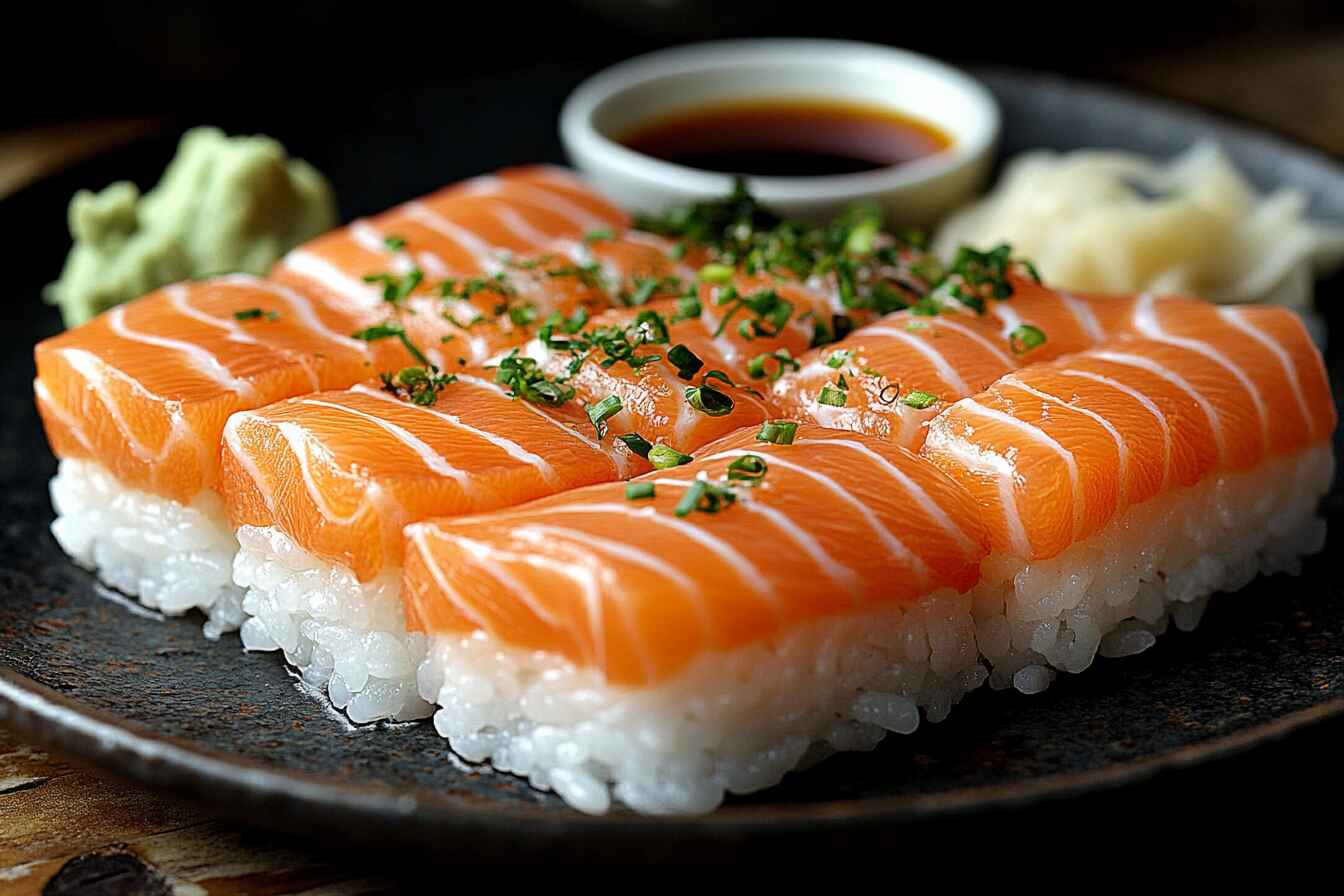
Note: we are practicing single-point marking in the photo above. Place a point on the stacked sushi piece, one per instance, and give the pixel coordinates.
(631, 522)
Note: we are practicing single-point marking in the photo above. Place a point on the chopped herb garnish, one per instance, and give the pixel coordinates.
(664, 457)
(838, 358)
(708, 400)
(522, 315)
(526, 380)
(638, 491)
(688, 308)
(421, 385)
(393, 330)
(749, 468)
(594, 236)
(919, 400)
(832, 396)
(706, 497)
(600, 412)
(771, 312)
(394, 243)
(685, 360)
(396, 288)
(777, 432)
(255, 314)
(1025, 337)
(721, 274)
(590, 274)
(647, 287)
(756, 367)
(637, 444)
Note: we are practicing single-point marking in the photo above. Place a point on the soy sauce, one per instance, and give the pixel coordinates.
(788, 138)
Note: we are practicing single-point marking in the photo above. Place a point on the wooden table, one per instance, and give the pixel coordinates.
(60, 823)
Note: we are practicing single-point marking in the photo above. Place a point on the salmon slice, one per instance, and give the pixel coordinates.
(145, 388)
(342, 472)
(465, 230)
(839, 524)
(890, 377)
(1055, 451)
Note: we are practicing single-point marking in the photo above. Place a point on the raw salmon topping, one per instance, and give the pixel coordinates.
(638, 578)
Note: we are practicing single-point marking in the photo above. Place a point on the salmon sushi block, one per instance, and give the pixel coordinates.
(890, 377)
(134, 403)
(320, 487)
(702, 629)
(1123, 485)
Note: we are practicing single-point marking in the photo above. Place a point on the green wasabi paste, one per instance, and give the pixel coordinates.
(224, 204)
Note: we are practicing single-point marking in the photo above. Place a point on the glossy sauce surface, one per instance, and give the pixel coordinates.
(788, 138)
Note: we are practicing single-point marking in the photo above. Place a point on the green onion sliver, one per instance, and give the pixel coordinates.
(777, 432)
(832, 396)
(919, 400)
(638, 491)
(1024, 338)
(685, 360)
(664, 457)
(749, 468)
(600, 412)
(637, 443)
(709, 401)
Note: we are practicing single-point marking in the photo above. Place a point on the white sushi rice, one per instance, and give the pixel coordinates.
(737, 722)
(172, 557)
(345, 636)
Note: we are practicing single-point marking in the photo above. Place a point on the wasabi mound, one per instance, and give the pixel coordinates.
(224, 204)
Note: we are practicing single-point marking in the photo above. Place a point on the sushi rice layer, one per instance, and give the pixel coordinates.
(172, 557)
(738, 721)
(345, 636)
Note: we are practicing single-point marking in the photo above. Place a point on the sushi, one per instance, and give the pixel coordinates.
(651, 521)
(319, 487)
(134, 402)
(659, 641)
(704, 631)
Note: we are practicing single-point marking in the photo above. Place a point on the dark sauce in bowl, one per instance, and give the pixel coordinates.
(788, 138)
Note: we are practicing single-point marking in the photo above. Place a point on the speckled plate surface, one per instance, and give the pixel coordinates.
(89, 671)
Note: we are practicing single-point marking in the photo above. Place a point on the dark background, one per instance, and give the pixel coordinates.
(308, 59)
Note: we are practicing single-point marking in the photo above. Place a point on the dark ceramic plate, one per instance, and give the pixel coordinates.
(90, 672)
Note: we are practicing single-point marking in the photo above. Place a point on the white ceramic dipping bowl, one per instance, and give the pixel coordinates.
(621, 99)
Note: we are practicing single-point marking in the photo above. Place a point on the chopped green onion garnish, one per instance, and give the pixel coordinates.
(708, 400)
(688, 308)
(638, 491)
(395, 243)
(255, 314)
(600, 412)
(397, 288)
(777, 432)
(1025, 337)
(748, 468)
(664, 457)
(685, 360)
(919, 400)
(594, 236)
(392, 330)
(637, 443)
(784, 361)
(832, 396)
(716, 273)
(706, 497)
(837, 358)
